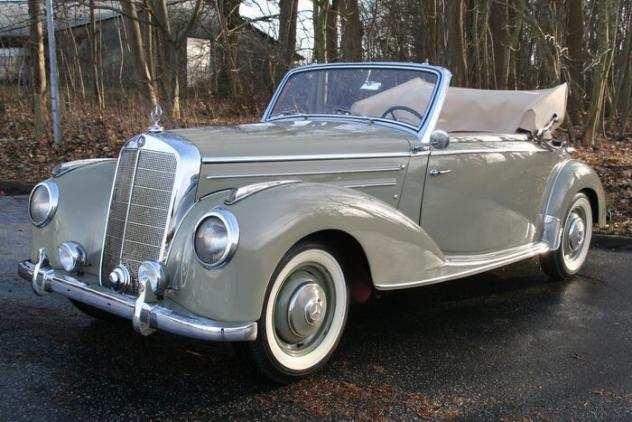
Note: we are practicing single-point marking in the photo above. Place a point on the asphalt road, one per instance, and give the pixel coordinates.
(508, 344)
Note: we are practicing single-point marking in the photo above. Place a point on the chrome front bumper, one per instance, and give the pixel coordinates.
(146, 317)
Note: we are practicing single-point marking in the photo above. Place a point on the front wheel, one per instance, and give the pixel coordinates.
(304, 314)
(568, 259)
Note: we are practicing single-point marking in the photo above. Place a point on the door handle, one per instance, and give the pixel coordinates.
(436, 172)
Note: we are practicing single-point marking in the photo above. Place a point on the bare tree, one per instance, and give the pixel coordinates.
(351, 44)
(319, 20)
(456, 42)
(331, 31)
(500, 40)
(38, 57)
(94, 56)
(228, 17)
(138, 49)
(287, 33)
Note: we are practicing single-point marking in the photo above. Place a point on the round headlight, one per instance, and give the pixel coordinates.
(216, 238)
(43, 203)
(72, 257)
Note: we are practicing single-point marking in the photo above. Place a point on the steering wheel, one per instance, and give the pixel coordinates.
(394, 108)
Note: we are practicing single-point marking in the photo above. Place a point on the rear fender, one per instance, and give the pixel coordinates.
(572, 177)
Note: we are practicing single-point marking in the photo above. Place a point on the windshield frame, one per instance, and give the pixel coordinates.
(421, 132)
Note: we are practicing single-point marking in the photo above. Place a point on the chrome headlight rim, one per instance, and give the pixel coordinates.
(232, 236)
(53, 201)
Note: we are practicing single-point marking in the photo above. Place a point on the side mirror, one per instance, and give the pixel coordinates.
(439, 139)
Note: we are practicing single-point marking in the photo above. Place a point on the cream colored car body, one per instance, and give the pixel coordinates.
(415, 214)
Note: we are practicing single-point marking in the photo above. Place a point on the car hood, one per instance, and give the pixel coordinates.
(292, 138)
(365, 156)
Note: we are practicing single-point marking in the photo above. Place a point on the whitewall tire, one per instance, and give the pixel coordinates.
(568, 259)
(304, 314)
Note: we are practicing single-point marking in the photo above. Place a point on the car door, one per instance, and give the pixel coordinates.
(483, 194)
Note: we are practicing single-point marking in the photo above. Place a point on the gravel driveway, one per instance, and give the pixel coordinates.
(508, 344)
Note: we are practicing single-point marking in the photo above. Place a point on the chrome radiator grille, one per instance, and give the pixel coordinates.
(139, 210)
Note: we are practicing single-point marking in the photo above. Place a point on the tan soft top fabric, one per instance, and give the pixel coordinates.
(472, 110)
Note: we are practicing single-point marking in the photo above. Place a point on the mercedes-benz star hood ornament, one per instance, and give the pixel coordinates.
(155, 116)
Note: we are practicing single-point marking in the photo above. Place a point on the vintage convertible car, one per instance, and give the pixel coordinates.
(360, 177)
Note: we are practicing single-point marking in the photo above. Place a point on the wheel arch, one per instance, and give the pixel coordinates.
(392, 247)
(574, 177)
(593, 198)
(354, 260)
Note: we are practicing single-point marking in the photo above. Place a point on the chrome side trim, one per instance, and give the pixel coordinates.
(248, 190)
(302, 173)
(315, 157)
(473, 265)
(488, 150)
(390, 182)
(490, 137)
(151, 315)
(73, 165)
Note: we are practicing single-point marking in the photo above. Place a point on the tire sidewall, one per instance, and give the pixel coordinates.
(580, 197)
(283, 370)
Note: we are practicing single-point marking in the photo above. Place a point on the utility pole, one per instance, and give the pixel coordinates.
(54, 77)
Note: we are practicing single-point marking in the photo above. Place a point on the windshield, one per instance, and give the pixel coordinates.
(398, 95)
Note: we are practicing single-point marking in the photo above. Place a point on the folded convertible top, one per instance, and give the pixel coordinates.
(473, 110)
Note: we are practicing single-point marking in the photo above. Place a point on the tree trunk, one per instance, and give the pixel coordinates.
(600, 74)
(39, 65)
(419, 29)
(319, 19)
(575, 42)
(351, 44)
(138, 49)
(456, 45)
(498, 18)
(229, 77)
(331, 32)
(287, 33)
(94, 57)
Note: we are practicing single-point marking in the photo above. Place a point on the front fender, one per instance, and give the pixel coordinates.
(273, 220)
(84, 196)
(572, 177)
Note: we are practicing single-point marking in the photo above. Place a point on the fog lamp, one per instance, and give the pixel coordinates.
(154, 275)
(72, 256)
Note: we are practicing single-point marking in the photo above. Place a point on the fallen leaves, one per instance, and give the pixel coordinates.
(323, 397)
(613, 162)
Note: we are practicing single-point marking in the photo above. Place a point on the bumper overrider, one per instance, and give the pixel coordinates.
(146, 317)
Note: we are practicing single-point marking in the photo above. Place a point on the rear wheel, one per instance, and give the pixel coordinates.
(568, 259)
(304, 314)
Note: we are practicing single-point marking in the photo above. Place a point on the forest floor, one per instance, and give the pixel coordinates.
(26, 158)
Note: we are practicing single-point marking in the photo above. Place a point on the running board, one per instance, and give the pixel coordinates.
(459, 266)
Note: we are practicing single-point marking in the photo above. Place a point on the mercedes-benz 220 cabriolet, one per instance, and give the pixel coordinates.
(360, 177)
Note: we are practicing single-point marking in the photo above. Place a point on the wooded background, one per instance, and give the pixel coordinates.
(499, 44)
(208, 62)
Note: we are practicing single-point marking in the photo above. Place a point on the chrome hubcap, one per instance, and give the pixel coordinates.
(306, 309)
(576, 232)
(301, 312)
